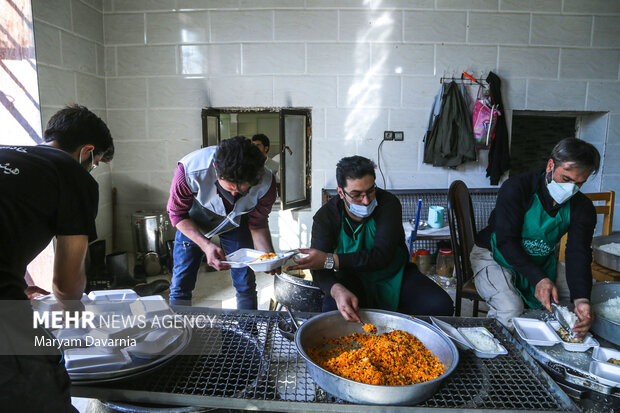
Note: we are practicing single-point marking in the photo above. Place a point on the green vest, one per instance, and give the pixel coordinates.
(381, 287)
(540, 233)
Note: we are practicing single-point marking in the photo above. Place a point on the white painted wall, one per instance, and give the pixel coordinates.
(363, 67)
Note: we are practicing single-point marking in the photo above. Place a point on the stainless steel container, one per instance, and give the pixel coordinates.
(318, 329)
(607, 329)
(151, 230)
(603, 258)
(297, 293)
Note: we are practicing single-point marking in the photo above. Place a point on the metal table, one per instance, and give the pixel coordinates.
(242, 362)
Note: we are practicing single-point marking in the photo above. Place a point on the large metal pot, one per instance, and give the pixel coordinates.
(604, 258)
(298, 294)
(607, 329)
(151, 231)
(318, 329)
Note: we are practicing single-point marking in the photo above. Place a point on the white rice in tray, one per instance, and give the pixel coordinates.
(480, 340)
(611, 248)
(569, 316)
(609, 309)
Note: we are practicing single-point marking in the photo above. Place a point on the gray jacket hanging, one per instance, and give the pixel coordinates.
(451, 141)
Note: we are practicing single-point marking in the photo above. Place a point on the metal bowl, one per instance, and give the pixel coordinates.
(603, 258)
(603, 327)
(318, 329)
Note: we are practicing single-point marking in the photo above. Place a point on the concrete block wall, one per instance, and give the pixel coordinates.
(69, 48)
(363, 67)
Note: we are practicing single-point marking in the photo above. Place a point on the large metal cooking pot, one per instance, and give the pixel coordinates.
(318, 329)
(603, 258)
(603, 327)
(151, 231)
(297, 293)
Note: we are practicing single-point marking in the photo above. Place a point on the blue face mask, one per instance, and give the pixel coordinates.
(362, 211)
(561, 192)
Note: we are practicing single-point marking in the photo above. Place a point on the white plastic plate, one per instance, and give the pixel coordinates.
(607, 373)
(480, 353)
(535, 332)
(603, 354)
(93, 359)
(588, 340)
(452, 332)
(247, 257)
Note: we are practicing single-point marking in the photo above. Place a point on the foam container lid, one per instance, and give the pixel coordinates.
(154, 342)
(95, 359)
(483, 353)
(151, 306)
(110, 295)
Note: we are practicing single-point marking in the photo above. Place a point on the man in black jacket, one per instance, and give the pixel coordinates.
(514, 261)
(358, 253)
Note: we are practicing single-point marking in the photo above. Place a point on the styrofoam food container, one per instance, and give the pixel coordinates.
(93, 359)
(245, 256)
(50, 303)
(71, 334)
(483, 353)
(153, 343)
(543, 333)
(112, 295)
(464, 344)
(607, 373)
(151, 306)
(588, 340)
(603, 354)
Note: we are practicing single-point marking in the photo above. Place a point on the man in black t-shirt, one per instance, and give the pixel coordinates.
(46, 191)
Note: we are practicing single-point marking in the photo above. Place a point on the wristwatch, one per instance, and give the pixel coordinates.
(329, 262)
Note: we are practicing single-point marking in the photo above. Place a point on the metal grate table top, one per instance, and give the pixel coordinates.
(242, 362)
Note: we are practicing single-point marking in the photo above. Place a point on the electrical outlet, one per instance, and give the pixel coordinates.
(399, 136)
(388, 135)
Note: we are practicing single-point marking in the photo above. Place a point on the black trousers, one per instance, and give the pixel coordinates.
(419, 295)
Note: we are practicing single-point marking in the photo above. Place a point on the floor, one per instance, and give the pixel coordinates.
(214, 289)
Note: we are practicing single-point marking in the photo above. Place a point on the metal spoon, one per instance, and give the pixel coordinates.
(295, 324)
(558, 315)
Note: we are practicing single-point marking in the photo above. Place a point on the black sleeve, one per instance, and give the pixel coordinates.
(389, 236)
(578, 247)
(77, 209)
(510, 211)
(325, 230)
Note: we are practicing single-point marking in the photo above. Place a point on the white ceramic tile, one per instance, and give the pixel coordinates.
(97, 4)
(305, 91)
(139, 156)
(326, 4)
(166, 124)
(456, 59)
(56, 87)
(397, 58)
(46, 113)
(431, 26)
(531, 5)
(178, 148)
(126, 93)
(369, 91)
(593, 128)
(224, 59)
(100, 60)
(500, 28)
(614, 129)
(371, 26)
(143, 5)
(90, 91)
(262, 58)
(513, 92)
(395, 156)
(327, 153)
(109, 56)
(159, 189)
(271, 4)
(78, 54)
(486, 5)
(232, 26)
(183, 28)
(207, 4)
(529, 61)
(402, 4)
(413, 122)
(56, 12)
(591, 6)
(356, 123)
(103, 176)
(127, 125)
(419, 92)
(47, 44)
(556, 95)
(606, 31)
(306, 25)
(107, 6)
(338, 58)
(134, 185)
(178, 92)
(244, 91)
(589, 64)
(146, 60)
(123, 29)
(604, 96)
(611, 166)
(87, 21)
(554, 30)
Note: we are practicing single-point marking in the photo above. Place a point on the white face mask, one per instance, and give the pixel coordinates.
(561, 192)
(362, 211)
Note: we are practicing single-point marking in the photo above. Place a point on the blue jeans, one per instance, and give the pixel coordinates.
(188, 256)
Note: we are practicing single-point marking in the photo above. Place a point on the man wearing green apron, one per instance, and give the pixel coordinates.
(514, 261)
(358, 253)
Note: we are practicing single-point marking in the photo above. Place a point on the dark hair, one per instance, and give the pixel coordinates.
(238, 161)
(75, 126)
(354, 167)
(262, 138)
(580, 154)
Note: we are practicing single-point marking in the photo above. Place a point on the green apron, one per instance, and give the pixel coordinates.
(541, 232)
(381, 287)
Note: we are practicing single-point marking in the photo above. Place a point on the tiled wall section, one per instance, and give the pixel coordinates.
(363, 67)
(70, 61)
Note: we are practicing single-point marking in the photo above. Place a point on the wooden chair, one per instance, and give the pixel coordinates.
(462, 233)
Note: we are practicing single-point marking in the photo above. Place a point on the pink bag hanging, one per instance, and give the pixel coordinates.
(484, 120)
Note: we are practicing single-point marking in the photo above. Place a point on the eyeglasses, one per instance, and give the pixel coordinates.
(358, 196)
